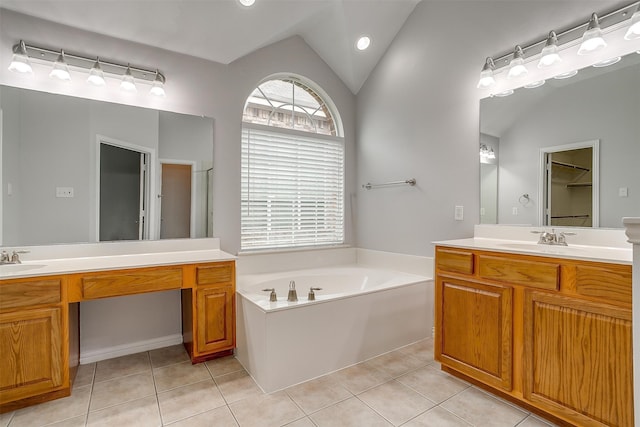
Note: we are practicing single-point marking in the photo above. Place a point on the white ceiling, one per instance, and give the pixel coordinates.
(223, 30)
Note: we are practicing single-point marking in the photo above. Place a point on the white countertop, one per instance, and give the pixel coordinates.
(615, 255)
(65, 259)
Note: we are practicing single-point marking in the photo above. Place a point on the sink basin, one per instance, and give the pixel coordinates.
(17, 268)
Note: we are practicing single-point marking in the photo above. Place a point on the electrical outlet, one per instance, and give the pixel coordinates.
(64, 192)
(459, 213)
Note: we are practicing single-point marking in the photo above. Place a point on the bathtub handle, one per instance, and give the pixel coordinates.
(272, 296)
(312, 295)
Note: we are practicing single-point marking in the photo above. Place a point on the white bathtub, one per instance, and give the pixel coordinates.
(359, 313)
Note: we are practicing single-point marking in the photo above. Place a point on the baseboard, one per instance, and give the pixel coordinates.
(130, 348)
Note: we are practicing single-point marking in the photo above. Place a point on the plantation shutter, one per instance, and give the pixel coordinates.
(292, 188)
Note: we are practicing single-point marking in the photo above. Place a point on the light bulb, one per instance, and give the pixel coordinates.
(517, 68)
(550, 54)
(96, 76)
(534, 85)
(592, 38)
(608, 62)
(20, 61)
(634, 28)
(363, 43)
(157, 88)
(566, 75)
(60, 69)
(127, 82)
(486, 75)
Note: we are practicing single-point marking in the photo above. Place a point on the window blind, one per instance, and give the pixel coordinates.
(292, 188)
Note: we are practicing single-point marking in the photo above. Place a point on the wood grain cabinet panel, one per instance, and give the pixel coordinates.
(454, 261)
(130, 282)
(22, 293)
(578, 359)
(221, 273)
(605, 283)
(476, 332)
(31, 351)
(216, 320)
(544, 275)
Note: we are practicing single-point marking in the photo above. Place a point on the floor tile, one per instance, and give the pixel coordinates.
(140, 413)
(56, 410)
(237, 386)
(302, 422)
(84, 376)
(189, 400)
(394, 363)
(5, 418)
(223, 366)
(348, 413)
(266, 410)
(121, 366)
(178, 375)
(533, 421)
(421, 350)
(437, 417)
(433, 384)
(219, 417)
(396, 402)
(360, 377)
(318, 393)
(71, 422)
(120, 390)
(479, 408)
(168, 356)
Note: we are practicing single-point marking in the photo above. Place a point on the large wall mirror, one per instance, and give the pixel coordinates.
(599, 107)
(78, 170)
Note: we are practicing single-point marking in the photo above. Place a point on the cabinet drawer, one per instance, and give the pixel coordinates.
(130, 282)
(535, 274)
(212, 274)
(454, 261)
(605, 283)
(30, 292)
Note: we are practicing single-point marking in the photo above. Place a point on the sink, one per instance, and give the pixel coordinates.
(534, 247)
(18, 268)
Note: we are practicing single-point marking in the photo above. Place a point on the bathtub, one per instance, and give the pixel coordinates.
(360, 313)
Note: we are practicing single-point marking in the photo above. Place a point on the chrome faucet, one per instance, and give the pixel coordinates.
(551, 238)
(14, 258)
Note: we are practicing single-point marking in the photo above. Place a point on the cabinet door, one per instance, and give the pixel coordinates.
(216, 326)
(578, 359)
(31, 353)
(476, 329)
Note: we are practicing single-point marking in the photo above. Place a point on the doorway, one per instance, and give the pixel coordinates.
(123, 193)
(176, 200)
(570, 183)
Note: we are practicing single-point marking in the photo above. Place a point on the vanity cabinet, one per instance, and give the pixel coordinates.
(39, 329)
(33, 340)
(551, 334)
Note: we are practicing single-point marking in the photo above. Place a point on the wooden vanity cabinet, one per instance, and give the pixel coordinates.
(34, 342)
(553, 335)
(208, 310)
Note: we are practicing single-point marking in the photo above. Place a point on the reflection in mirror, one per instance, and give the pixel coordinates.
(599, 104)
(51, 168)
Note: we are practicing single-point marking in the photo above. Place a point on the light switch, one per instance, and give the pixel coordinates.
(459, 213)
(64, 191)
(514, 210)
(482, 211)
(623, 192)
(9, 189)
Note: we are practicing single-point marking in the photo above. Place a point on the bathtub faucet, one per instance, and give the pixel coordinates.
(293, 295)
(272, 296)
(312, 294)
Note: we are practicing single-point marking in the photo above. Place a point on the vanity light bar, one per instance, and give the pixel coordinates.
(566, 36)
(23, 52)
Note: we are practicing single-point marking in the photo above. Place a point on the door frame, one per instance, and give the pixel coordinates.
(150, 224)
(594, 144)
(192, 220)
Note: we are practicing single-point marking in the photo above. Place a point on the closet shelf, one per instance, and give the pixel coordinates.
(579, 184)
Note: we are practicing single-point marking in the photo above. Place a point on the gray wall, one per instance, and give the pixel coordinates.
(418, 116)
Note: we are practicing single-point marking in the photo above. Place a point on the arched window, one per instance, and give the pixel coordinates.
(292, 168)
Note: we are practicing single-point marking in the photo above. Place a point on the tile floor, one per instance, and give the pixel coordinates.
(162, 387)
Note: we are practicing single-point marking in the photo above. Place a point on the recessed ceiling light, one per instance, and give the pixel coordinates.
(363, 43)
(247, 3)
